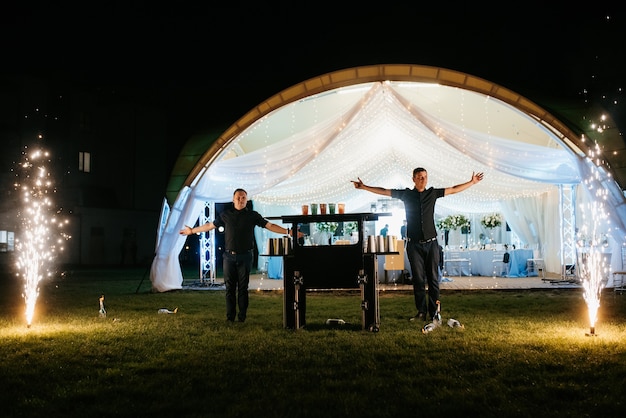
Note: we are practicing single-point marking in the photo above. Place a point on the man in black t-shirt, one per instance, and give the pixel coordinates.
(238, 223)
(422, 246)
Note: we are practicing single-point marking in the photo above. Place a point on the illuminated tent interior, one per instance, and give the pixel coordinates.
(306, 144)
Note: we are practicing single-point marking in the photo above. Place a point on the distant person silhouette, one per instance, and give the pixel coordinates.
(403, 230)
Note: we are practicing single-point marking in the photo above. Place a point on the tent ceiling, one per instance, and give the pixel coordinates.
(381, 143)
(378, 143)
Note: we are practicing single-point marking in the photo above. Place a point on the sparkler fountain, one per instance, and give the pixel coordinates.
(593, 265)
(36, 246)
(593, 271)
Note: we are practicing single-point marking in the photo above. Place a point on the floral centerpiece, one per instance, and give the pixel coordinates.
(453, 222)
(462, 222)
(327, 226)
(490, 221)
(444, 223)
(350, 227)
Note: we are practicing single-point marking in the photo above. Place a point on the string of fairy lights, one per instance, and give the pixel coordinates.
(382, 144)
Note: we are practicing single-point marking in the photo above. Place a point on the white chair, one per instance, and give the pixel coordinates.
(618, 282)
(457, 261)
(569, 274)
(500, 262)
(618, 276)
(535, 267)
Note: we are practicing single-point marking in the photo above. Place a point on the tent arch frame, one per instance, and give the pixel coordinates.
(381, 73)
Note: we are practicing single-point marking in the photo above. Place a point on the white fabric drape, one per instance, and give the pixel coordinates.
(536, 222)
(379, 135)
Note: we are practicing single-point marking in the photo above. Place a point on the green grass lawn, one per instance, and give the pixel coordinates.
(521, 354)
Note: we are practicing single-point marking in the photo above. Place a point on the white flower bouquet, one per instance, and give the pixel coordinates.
(453, 222)
(490, 221)
(445, 224)
(461, 221)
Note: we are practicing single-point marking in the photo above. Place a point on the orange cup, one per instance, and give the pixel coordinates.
(322, 208)
(305, 209)
(341, 207)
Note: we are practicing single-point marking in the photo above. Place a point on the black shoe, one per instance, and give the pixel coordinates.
(241, 320)
(419, 317)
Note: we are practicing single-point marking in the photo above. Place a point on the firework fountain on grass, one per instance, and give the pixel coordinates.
(593, 265)
(41, 235)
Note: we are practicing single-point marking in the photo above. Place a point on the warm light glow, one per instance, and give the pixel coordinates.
(36, 245)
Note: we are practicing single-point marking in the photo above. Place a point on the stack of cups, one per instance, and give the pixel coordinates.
(270, 246)
(381, 244)
(371, 244)
(286, 246)
(279, 246)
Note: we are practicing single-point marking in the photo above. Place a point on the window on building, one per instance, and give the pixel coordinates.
(84, 162)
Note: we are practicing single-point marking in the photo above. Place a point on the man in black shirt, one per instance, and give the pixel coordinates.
(422, 246)
(238, 223)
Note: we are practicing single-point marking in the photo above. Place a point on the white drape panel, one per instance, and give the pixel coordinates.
(601, 187)
(536, 222)
(165, 272)
(380, 135)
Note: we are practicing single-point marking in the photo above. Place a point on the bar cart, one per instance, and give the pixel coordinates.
(337, 265)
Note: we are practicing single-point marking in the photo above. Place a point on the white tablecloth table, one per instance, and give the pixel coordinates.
(482, 263)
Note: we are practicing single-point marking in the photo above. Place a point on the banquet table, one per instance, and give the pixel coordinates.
(482, 263)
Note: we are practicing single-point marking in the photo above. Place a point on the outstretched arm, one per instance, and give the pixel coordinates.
(476, 177)
(187, 230)
(280, 230)
(358, 184)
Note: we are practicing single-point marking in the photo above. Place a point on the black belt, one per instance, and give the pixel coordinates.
(235, 252)
(423, 241)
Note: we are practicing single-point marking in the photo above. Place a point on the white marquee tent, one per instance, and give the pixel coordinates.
(307, 143)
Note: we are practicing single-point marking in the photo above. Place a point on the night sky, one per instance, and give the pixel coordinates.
(209, 65)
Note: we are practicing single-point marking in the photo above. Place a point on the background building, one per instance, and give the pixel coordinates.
(109, 160)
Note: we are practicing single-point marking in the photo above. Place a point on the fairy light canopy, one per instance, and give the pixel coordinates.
(310, 149)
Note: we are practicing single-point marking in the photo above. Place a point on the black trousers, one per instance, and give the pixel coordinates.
(237, 269)
(424, 260)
